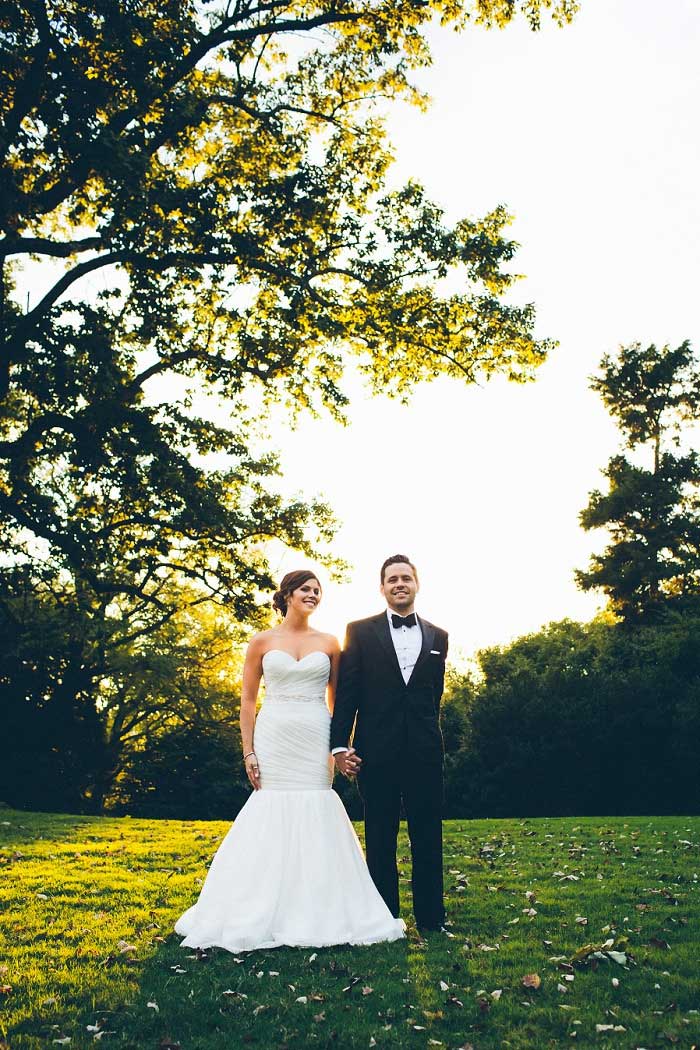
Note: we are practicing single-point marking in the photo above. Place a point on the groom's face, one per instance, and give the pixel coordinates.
(400, 587)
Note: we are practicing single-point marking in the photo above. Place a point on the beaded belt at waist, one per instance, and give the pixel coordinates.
(295, 698)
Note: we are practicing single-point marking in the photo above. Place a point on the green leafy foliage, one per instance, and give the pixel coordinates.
(189, 771)
(100, 700)
(582, 718)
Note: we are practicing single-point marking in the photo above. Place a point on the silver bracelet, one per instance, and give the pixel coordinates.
(248, 755)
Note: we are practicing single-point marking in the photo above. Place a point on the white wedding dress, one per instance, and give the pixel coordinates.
(290, 871)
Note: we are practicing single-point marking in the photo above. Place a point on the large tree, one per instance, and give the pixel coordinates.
(195, 224)
(198, 190)
(652, 506)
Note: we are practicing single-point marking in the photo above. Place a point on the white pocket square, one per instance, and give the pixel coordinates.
(435, 652)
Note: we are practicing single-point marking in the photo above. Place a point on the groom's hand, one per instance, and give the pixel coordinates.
(348, 762)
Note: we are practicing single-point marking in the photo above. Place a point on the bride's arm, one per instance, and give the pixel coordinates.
(252, 673)
(333, 677)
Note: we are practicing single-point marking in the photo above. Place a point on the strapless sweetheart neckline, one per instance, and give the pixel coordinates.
(313, 652)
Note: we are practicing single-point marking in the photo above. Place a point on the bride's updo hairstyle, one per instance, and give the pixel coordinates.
(290, 583)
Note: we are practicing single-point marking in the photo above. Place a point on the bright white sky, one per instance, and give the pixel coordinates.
(590, 136)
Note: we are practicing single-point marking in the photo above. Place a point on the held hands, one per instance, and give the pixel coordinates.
(348, 762)
(253, 771)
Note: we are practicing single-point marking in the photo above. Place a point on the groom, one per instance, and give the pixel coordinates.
(391, 679)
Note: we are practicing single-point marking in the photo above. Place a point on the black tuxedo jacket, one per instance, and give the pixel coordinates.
(391, 718)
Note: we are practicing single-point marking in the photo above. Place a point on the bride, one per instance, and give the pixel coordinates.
(290, 870)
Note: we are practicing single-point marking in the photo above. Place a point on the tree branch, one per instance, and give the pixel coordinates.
(45, 246)
(27, 322)
(24, 444)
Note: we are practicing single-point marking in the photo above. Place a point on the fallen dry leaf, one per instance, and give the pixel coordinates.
(531, 980)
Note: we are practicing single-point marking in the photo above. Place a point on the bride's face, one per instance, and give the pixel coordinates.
(305, 598)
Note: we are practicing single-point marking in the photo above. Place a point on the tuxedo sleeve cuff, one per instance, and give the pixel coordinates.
(337, 750)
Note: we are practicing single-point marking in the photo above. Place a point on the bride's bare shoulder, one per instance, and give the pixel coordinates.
(260, 641)
(330, 642)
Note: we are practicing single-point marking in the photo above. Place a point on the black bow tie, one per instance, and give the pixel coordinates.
(403, 621)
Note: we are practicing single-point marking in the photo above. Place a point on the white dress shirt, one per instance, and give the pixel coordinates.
(407, 643)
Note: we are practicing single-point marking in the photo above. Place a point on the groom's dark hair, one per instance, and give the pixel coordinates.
(394, 560)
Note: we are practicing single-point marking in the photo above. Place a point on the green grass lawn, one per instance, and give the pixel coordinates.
(89, 956)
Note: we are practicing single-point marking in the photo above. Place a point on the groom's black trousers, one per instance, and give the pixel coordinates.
(382, 788)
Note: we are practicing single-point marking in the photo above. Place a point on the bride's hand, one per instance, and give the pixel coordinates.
(253, 771)
(348, 762)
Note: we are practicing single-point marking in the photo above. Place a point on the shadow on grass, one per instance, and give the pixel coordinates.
(286, 997)
(389, 995)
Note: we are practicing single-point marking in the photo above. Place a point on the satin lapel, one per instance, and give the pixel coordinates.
(381, 627)
(428, 634)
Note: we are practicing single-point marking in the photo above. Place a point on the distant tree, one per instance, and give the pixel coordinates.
(188, 772)
(90, 694)
(455, 723)
(599, 718)
(200, 191)
(652, 506)
(54, 731)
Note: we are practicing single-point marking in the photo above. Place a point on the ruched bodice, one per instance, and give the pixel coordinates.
(293, 727)
(302, 681)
